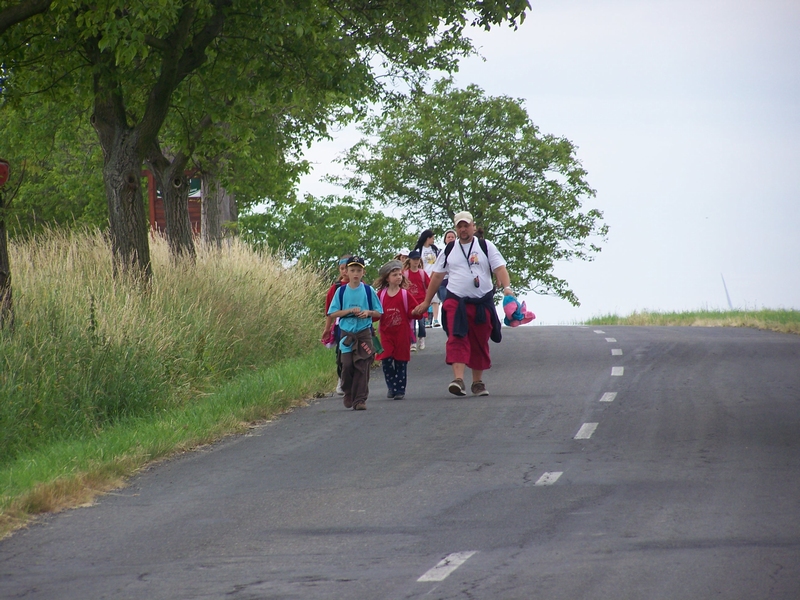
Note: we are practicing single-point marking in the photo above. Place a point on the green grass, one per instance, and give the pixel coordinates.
(784, 321)
(71, 472)
(97, 377)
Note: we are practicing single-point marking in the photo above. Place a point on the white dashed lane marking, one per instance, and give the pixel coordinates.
(608, 397)
(609, 340)
(617, 371)
(599, 331)
(586, 431)
(446, 566)
(549, 478)
(616, 352)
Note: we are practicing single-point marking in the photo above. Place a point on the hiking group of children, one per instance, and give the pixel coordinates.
(352, 307)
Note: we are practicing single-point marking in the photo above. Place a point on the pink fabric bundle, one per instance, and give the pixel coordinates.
(516, 314)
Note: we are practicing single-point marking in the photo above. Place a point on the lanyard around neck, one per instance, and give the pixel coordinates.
(468, 253)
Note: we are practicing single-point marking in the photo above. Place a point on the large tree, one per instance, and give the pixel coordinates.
(138, 55)
(459, 149)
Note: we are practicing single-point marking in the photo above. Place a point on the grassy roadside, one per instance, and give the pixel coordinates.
(72, 473)
(99, 376)
(783, 321)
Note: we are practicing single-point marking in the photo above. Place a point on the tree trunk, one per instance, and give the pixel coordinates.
(130, 244)
(6, 305)
(217, 211)
(171, 180)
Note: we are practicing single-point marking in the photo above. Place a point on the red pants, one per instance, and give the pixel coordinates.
(473, 349)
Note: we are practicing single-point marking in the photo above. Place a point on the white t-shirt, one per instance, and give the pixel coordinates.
(467, 261)
(428, 257)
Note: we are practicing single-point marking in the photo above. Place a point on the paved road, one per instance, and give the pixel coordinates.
(683, 483)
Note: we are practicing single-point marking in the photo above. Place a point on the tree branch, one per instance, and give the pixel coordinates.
(21, 12)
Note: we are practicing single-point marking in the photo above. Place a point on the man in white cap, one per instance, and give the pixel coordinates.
(469, 315)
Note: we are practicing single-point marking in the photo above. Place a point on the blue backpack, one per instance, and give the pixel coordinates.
(337, 332)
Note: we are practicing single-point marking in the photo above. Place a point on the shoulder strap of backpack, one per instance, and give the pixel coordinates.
(341, 296)
(447, 250)
(367, 289)
(384, 291)
(485, 248)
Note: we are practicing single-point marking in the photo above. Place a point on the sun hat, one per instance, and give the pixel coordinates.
(464, 215)
(403, 252)
(389, 267)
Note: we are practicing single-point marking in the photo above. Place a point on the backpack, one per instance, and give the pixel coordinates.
(340, 291)
(426, 279)
(337, 331)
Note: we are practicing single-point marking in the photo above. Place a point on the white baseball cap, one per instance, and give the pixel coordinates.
(463, 216)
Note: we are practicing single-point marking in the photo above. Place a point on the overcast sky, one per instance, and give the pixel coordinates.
(686, 115)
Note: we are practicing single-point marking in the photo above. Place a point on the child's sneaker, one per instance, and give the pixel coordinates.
(436, 323)
(413, 347)
(339, 390)
(422, 344)
(360, 405)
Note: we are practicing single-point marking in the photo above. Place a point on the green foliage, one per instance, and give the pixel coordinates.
(317, 231)
(240, 85)
(53, 148)
(88, 351)
(453, 150)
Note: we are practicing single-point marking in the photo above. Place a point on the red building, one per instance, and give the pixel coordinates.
(156, 203)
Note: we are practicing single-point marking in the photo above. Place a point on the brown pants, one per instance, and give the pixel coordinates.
(355, 369)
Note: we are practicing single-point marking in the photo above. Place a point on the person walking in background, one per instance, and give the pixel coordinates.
(469, 315)
(418, 282)
(396, 326)
(441, 293)
(356, 305)
(428, 253)
(330, 333)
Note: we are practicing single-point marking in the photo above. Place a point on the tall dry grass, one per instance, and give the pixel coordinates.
(89, 350)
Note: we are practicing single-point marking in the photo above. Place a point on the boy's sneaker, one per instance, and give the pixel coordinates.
(399, 396)
(436, 323)
(360, 405)
(479, 389)
(457, 387)
(339, 390)
(390, 394)
(348, 402)
(413, 347)
(422, 344)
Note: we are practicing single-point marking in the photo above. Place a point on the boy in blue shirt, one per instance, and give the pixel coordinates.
(356, 306)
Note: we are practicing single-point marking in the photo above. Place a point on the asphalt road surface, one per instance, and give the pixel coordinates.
(632, 462)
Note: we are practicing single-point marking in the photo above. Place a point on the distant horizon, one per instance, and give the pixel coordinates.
(686, 116)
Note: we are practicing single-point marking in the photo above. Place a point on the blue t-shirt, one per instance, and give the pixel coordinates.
(354, 297)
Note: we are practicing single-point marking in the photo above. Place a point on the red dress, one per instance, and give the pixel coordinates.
(395, 325)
